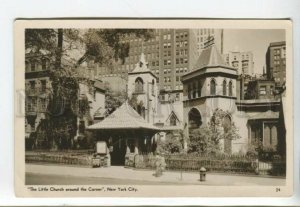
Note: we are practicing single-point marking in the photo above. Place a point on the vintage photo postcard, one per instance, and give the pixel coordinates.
(153, 108)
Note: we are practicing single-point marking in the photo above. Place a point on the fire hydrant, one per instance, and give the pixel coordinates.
(202, 174)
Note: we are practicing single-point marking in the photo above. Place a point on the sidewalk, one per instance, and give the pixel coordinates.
(118, 172)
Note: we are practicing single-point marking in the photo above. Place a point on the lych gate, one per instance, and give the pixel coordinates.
(125, 132)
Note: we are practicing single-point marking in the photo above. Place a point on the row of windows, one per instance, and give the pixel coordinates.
(181, 60)
(32, 85)
(276, 62)
(182, 44)
(36, 65)
(148, 56)
(182, 52)
(194, 89)
(205, 31)
(181, 35)
(168, 97)
(167, 45)
(34, 104)
(181, 70)
(167, 62)
(167, 53)
(167, 36)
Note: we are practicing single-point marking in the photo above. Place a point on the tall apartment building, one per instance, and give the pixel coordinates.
(37, 88)
(169, 54)
(203, 36)
(242, 61)
(276, 62)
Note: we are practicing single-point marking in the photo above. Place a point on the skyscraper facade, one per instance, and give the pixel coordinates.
(276, 62)
(204, 34)
(242, 61)
(169, 54)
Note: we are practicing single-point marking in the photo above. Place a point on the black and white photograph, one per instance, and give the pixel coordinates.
(119, 108)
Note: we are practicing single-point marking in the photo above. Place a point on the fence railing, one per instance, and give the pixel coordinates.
(69, 158)
(239, 164)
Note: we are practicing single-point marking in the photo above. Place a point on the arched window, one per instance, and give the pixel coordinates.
(153, 83)
(194, 90)
(173, 120)
(230, 88)
(189, 91)
(139, 85)
(199, 88)
(143, 112)
(212, 87)
(224, 88)
(195, 120)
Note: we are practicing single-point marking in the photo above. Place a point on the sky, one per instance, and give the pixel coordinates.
(255, 40)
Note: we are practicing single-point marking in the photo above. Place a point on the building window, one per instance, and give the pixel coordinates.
(153, 84)
(173, 120)
(189, 91)
(43, 86)
(26, 66)
(224, 88)
(230, 88)
(139, 85)
(43, 104)
(194, 90)
(262, 90)
(44, 64)
(177, 96)
(199, 89)
(32, 66)
(32, 85)
(213, 87)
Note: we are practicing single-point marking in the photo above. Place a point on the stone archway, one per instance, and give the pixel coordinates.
(194, 119)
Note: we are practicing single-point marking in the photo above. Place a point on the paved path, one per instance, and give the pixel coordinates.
(118, 173)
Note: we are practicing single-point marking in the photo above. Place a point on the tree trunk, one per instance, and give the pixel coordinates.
(59, 49)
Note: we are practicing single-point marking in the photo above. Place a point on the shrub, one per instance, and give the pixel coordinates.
(170, 145)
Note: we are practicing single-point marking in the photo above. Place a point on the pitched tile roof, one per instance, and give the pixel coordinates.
(124, 117)
(210, 57)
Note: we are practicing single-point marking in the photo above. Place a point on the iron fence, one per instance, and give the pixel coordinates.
(240, 164)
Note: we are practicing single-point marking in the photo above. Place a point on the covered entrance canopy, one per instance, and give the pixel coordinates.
(125, 132)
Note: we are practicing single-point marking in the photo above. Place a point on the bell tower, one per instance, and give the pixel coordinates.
(142, 90)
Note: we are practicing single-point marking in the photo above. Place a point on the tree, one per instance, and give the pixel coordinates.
(104, 46)
(113, 100)
(207, 138)
(170, 145)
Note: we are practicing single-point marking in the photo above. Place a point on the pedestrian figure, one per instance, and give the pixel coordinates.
(160, 165)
